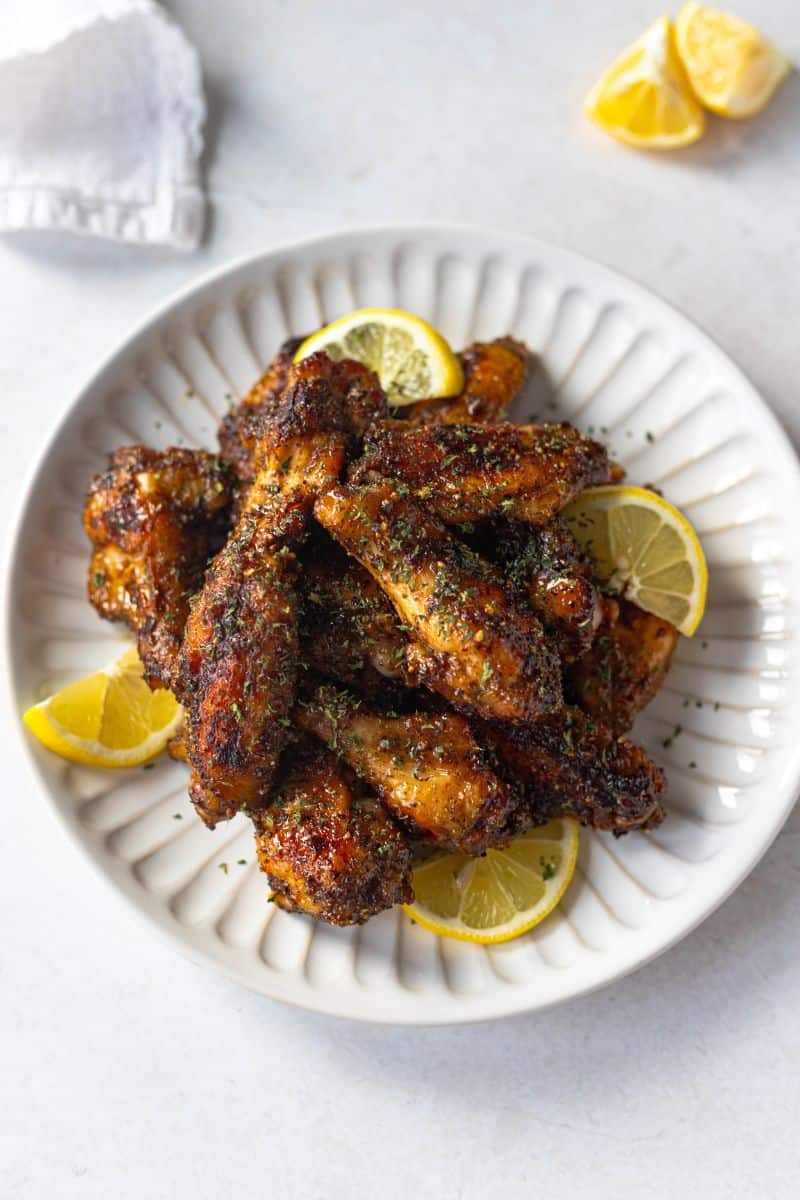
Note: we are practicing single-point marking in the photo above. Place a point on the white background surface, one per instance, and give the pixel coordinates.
(126, 1071)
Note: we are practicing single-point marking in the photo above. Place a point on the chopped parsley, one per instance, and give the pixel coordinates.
(667, 742)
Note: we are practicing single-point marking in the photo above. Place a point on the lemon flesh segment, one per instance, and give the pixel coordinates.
(733, 70)
(644, 98)
(644, 548)
(108, 719)
(500, 895)
(411, 358)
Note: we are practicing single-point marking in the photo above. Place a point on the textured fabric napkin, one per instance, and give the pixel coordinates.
(101, 112)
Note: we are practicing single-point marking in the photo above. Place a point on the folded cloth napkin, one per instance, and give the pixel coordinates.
(101, 112)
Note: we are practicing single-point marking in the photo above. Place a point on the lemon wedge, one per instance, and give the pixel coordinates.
(412, 359)
(644, 97)
(733, 70)
(108, 719)
(643, 547)
(501, 894)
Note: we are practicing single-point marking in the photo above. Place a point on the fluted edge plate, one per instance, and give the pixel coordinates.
(616, 361)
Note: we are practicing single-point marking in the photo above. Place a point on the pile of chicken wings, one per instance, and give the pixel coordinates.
(383, 635)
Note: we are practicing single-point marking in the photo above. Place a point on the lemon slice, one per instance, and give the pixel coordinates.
(733, 70)
(501, 894)
(644, 98)
(642, 546)
(411, 359)
(109, 719)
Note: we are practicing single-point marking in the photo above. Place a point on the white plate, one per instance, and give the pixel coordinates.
(677, 413)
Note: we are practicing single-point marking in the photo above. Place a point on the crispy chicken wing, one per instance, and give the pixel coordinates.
(322, 396)
(574, 766)
(466, 472)
(494, 375)
(427, 767)
(546, 564)
(625, 666)
(239, 664)
(310, 430)
(350, 631)
(240, 429)
(328, 849)
(241, 651)
(473, 640)
(155, 518)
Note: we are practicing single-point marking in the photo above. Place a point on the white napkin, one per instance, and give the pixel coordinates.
(101, 112)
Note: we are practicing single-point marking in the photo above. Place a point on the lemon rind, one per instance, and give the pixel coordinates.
(621, 492)
(49, 733)
(725, 105)
(512, 929)
(84, 752)
(696, 125)
(448, 379)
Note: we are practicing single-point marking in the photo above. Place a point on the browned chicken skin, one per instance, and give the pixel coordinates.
(625, 667)
(322, 396)
(155, 518)
(241, 428)
(350, 631)
(573, 766)
(546, 564)
(310, 431)
(427, 767)
(240, 660)
(326, 848)
(241, 650)
(466, 472)
(473, 641)
(494, 375)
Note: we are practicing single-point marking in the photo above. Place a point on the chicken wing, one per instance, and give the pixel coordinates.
(574, 766)
(239, 665)
(240, 429)
(494, 375)
(327, 849)
(465, 472)
(546, 565)
(154, 519)
(473, 640)
(427, 767)
(625, 666)
(350, 631)
(241, 650)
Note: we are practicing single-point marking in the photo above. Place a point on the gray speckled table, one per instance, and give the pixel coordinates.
(125, 1071)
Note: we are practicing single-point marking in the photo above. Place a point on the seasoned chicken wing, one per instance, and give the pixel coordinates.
(466, 472)
(311, 429)
(427, 767)
(350, 631)
(574, 766)
(322, 396)
(327, 848)
(241, 650)
(473, 640)
(239, 664)
(547, 566)
(625, 666)
(494, 375)
(240, 429)
(155, 518)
